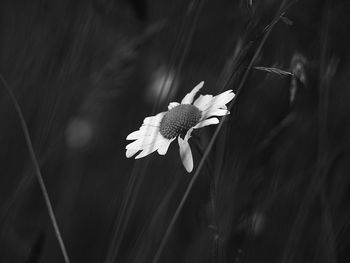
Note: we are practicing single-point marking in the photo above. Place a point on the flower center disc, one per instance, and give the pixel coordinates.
(178, 120)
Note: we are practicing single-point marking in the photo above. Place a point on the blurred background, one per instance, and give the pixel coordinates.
(275, 186)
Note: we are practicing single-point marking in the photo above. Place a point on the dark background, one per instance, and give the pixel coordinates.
(276, 185)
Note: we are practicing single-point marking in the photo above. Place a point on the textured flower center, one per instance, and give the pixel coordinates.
(178, 120)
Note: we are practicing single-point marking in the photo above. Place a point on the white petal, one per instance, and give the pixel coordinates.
(188, 134)
(143, 132)
(134, 135)
(173, 105)
(219, 101)
(202, 101)
(162, 150)
(154, 120)
(207, 122)
(188, 99)
(146, 128)
(151, 148)
(214, 112)
(185, 154)
(130, 153)
(144, 142)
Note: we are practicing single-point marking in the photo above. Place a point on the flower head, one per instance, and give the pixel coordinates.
(157, 132)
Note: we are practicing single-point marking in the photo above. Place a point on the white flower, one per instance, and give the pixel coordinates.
(157, 132)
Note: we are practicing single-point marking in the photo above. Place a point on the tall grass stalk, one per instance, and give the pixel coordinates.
(322, 167)
(37, 169)
(125, 211)
(165, 238)
(180, 52)
(26, 179)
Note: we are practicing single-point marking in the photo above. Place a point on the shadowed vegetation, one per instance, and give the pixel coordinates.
(270, 183)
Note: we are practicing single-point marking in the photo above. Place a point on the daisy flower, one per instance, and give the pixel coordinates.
(157, 132)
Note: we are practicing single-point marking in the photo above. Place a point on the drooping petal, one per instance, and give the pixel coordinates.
(206, 122)
(188, 99)
(188, 134)
(202, 101)
(162, 150)
(151, 147)
(173, 105)
(185, 154)
(154, 120)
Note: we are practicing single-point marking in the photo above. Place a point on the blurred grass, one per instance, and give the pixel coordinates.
(274, 187)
